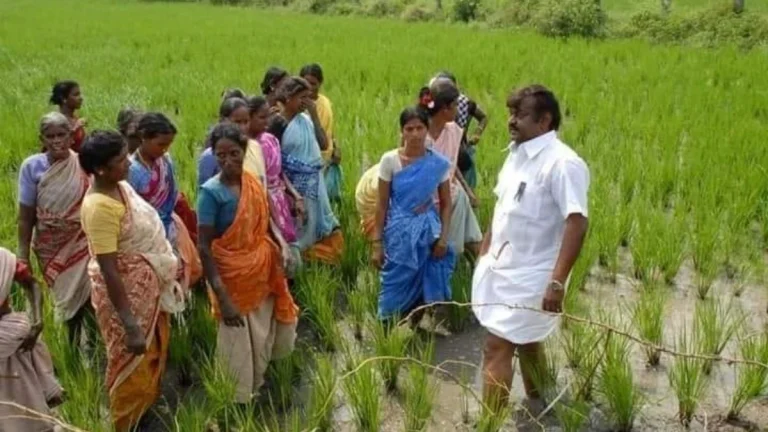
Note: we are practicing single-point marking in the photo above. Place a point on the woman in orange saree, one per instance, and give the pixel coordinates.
(132, 271)
(51, 188)
(244, 255)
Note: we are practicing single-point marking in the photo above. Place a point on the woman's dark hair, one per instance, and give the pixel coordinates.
(61, 91)
(153, 124)
(412, 113)
(271, 78)
(256, 103)
(229, 106)
(100, 147)
(125, 117)
(312, 69)
(441, 94)
(292, 87)
(233, 93)
(230, 131)
(544, 102)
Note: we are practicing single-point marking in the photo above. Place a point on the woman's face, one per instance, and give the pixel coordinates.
(229, 156)
(259, 120)
(74, 99)
(117, 168)
(449, 112)
(241, 118)
(315, 84)
(414, 132)
(157, 146)
(56, 139)
(297, 102)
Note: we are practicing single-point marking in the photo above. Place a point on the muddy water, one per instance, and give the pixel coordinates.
(659, 413)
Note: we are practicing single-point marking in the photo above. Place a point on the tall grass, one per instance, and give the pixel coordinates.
(687, 378)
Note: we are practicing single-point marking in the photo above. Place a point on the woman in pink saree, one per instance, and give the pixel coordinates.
(51, 190)
(26, 370)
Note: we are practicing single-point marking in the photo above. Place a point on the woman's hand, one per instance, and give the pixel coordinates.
(135, 342)
(229, 314)
(377, 257)
(300, 210)
(440, 248)
(474, 201)
(285, 252)
(80, 123)
(309, 106)
(34, 334)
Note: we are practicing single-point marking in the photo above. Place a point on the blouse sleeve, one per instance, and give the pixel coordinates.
(27, 185)
(207, 208)
(101, 223)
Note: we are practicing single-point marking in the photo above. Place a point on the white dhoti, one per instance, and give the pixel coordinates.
(503, 288)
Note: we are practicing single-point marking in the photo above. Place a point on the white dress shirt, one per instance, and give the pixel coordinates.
(541, 183)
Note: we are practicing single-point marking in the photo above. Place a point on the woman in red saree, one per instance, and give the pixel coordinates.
(68, 97)
(244, 256)
(133, 273)
(51, 188)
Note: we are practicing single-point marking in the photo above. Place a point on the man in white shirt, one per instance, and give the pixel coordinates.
(538, 228)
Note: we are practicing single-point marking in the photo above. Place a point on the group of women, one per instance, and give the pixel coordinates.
(118, 242)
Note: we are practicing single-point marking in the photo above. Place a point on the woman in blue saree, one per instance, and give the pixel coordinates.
(416, 261)
(302, 140)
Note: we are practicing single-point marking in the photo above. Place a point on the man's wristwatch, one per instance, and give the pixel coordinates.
(556, 286)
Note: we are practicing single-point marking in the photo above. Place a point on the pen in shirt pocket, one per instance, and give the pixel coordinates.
(520, 191)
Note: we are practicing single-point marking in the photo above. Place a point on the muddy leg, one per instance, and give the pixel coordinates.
(498, 354)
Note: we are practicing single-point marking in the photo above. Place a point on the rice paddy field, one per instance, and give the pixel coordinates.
(671, 279)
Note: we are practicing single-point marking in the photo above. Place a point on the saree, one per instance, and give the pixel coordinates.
(249, 264)
(157, 185)
(278, 197)
(411, 275)
(366, 200)
(318, 235)
(59, 241)
(147, 266)
(26, 378)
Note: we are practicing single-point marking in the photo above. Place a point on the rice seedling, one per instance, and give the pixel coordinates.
(284, 374)
(577, 281)
(616, 385)
(752, 380)
(644, 248)
(671, 243)
(357, 302)
(317, 296)
(321, 403)
(493, 420)
(362, 390)
(704, 239)
(648, 318)
(220, 387)
(179, 349)
(716, 324)
(390, 341)
(418, 398)
(461, 286)
(687, 378)
(544, 376)
(572, 414)
(201, 325)
(368, 286)
(195, 414)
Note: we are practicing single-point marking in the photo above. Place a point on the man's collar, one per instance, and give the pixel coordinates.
(534, 146)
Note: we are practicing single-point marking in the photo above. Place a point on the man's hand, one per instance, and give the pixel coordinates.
(553, 297)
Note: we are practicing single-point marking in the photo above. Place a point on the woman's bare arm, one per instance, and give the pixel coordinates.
(26, 224)
(446, 208)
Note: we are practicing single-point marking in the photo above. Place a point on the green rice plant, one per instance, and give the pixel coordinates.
(671, 236)
(418, 398)
(461, 286)
(704, 239)
(493, 420)
(572, 414)
(368, 286)
(317, 296)
(648, 319)
(201, 325)
(687, 378)
(577, 281)
(362, 390)
(644, 247)
(544, 376)
(195, 414)
(357, 302)
(752, 380)
(716, 324)
(179, 349)
(615, 384)
(321, 404)
(220, 387)
(577, 338)
(284, 374)
(606, 230)
(389, 341)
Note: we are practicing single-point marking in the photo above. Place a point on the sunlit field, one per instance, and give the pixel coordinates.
(675, 139)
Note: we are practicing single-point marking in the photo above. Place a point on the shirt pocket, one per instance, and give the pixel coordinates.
(524, 198)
